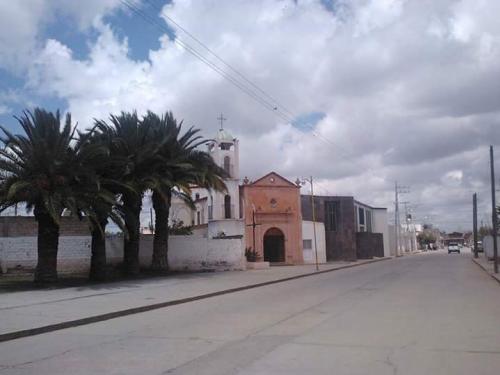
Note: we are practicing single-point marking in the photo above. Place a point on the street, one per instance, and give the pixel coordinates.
(430, 313)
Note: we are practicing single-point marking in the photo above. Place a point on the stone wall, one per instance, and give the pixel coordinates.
(369, 245)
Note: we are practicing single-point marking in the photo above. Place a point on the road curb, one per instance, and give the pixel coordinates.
(136, 310)
(486, 270)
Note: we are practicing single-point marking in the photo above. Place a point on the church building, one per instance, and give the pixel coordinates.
(273, 219)
(267, 212)
(219, 211)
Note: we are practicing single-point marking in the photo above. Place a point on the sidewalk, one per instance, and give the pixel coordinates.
(28, 313)
(486, 265)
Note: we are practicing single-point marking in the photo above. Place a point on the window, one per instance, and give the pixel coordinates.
(307, 244)
(227, 165)
(197, 196)
(361, 219)
(361, 216)
(198, 218)
(211, 208)
(331, 216)
(368, 221)
(227, 207)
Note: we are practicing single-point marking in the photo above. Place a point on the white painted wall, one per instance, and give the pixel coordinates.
(488, 245)
(180, 211)
(308, 234)
(229, 227)
(186, 253)
(380, 225)
(21, 252)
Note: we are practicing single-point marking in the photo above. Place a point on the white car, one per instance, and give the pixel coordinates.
(453, 248)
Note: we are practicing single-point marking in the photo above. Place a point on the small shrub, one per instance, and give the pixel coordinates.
(251, 255)
(177, 228)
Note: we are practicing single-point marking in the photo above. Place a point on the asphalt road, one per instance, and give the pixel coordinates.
(424, 314)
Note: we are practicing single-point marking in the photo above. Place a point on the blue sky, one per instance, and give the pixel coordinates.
(141, 37)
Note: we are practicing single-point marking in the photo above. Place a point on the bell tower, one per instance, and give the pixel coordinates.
(225, 152)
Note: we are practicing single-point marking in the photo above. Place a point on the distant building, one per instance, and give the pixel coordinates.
(455, 237)
(353, 230)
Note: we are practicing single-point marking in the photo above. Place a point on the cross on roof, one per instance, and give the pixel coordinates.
(221, 118)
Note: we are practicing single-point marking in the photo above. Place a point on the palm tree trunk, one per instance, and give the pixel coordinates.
(133, 205)
(98, 246)
(47, 242)
(160, 240)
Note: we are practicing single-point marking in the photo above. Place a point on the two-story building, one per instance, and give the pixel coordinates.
(353, 230)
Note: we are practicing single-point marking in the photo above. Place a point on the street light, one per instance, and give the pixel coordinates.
(302, 182)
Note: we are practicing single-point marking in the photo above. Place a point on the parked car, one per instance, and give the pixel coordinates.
(453, 248)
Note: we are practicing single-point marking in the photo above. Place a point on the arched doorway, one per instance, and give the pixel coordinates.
(274, 246)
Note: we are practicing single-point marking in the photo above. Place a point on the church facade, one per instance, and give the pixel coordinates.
(273, 219)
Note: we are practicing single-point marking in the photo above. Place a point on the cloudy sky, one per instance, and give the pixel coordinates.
(357, 93)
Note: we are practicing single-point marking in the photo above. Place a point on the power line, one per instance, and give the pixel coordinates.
(207, 62)
(209, 50)
(272, 105)
(265, 102)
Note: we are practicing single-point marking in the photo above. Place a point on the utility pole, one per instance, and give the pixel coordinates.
(396, 218)
(494, 212)
(407, 238)
(397, 224)
(474, 222)
(314, 224)
(310, 180)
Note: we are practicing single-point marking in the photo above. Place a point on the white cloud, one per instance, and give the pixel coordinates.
(21, 23)
(409, 89)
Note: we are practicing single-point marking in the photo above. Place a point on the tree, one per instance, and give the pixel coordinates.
(134, 152)
(43, 169)
(181, 166)
(98, 201)
(485, 230)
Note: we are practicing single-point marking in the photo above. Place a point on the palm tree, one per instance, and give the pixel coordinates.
(42, 168)
(98, 201)
(134, 152)
(181, 166)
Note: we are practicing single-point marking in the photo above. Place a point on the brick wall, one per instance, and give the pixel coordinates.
(26, 226)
